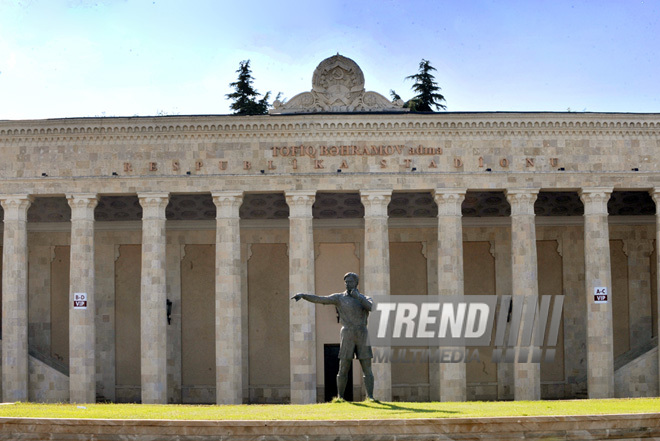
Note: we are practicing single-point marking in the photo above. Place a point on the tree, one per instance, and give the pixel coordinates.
(427, 90)
(395, 96)
(245, 98)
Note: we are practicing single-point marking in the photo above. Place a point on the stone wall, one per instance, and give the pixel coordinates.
(639, 378)
(229, 152)
(46, 385)
(592, 427)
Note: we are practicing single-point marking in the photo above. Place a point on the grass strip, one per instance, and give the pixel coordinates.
(334, 411)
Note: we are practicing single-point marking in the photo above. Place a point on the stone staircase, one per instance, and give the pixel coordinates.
(636, 371)
(48, 378)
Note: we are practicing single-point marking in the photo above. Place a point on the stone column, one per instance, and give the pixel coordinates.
(228, 338)
(575, 327)
(524, 285)
(82, 331)
(15, 298)
(655, 193)
(105, 251)
(505, 381)
(376, 278)
(453, 385)
(302, 316)
(639, 252)
(598, 273)
(153, 298)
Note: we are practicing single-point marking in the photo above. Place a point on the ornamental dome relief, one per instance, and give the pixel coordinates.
(337, 86)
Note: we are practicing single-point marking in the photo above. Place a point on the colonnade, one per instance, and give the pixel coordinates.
(375, 281)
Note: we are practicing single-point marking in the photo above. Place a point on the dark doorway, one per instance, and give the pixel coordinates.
(330, 370)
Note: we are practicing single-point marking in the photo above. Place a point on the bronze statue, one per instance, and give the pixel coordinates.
(353, 309)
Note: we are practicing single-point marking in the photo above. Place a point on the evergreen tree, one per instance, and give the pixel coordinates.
(245, 98)
(427, 90)
(395, 96)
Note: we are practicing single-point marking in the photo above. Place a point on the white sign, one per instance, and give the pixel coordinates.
(80, 300)
(600, 294)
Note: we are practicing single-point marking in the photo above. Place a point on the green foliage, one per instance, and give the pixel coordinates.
(246, 98)
(395, 96)
(428, 95)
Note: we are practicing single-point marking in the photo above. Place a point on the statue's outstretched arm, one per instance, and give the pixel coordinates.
(324, 300)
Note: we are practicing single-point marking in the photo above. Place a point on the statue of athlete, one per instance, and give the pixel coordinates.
(353, 310)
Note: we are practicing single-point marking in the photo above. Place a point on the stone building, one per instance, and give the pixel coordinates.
(152, 259)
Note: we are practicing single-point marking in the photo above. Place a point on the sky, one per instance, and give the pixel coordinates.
(88, 58)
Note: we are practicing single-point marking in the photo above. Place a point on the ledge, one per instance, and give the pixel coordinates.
(610, 427)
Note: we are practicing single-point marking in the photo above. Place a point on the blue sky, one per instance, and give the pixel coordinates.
(69, 58)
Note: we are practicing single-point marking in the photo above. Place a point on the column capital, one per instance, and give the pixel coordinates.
(227, 204)
(153, 204)
(300, 203)
(82, 205)
(595, 199)
(655, 194)
(637, 246)
(449, 200)
(522, 200)
(375, 202)
(16, 206)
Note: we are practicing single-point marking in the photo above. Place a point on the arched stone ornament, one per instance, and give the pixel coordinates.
(337, 86)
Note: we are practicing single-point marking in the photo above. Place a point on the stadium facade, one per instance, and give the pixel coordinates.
(153, 259)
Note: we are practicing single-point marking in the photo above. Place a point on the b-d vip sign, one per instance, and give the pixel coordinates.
(80, 300)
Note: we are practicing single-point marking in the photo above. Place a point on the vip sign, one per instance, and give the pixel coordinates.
(600, 294)
(80, 300)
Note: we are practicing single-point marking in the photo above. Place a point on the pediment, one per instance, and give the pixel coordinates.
(337, 86)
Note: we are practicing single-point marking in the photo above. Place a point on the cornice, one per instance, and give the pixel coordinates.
(321, 126)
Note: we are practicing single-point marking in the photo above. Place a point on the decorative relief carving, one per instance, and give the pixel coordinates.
(153, 205)
(449, 201)
(637, 246)
(595, 200)
(300, 203)
(16, 206)
(337, 86)
(522, 201)
(655, 194)
(375, 202)
(82, 206)
(227, 204)
(417, 204)
(111, 129)
(338, 206)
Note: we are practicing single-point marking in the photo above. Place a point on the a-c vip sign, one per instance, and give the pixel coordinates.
(80, 300)
(600, 294)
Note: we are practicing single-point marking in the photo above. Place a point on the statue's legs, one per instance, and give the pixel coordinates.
(368, 376)
(342, 376)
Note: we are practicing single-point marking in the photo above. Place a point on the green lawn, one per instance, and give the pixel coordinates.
(333, 411)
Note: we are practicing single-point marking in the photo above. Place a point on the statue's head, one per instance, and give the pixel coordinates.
(352, 276)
